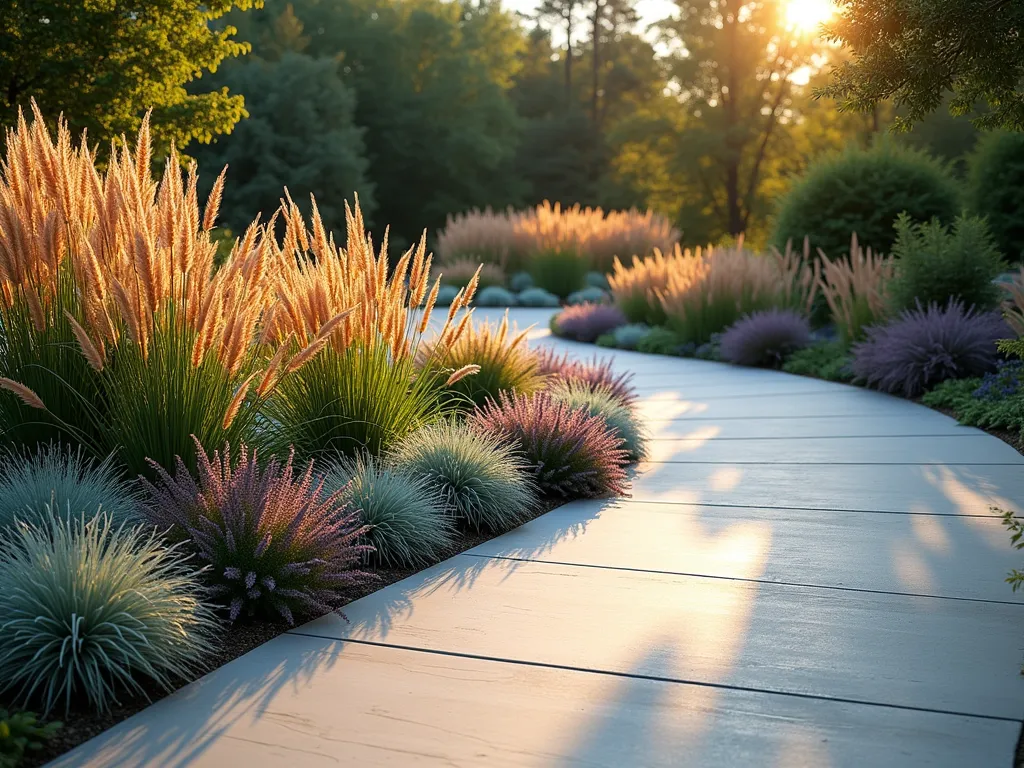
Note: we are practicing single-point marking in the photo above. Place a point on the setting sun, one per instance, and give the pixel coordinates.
(809, 15)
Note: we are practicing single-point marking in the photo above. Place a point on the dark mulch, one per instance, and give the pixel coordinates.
(82, 724)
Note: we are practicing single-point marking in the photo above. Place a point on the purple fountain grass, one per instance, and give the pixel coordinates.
(765, 337)
(570, 452)
(585, 322)
(596, 374)
(276, 544)
(923, 347)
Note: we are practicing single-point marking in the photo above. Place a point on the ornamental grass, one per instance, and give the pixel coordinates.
(93, 611)
(116, 332)
(513, 238)
(600, 401)
(570, 453)
(459, 272)
(1013, 305)
(635, 288)
(925, 346)
(278, 545)
(587, 322)
(407, 523)
(856, 288)
(708, 292)
(362, 392)
(482, 479)
(595, 373)
(504, 361)
(765, 338)
(60, 480)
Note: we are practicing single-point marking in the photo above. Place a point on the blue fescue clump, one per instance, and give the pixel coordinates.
(484, 481)
(629, 336)
(590, 294)
(521, 281)
(495, 296)
(60, 480)
(538, 297)
(597, 280)
(92, 611)
(408, 526)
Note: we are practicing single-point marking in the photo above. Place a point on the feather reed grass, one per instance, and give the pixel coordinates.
(708, 292)
(856, 290)
(1013, 306)
(501, 357)
(513, 238)
(459, 272)
(362, 392)
(112, 316)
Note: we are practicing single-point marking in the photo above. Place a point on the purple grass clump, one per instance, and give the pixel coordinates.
(596, 374)
(924, 347)
(765, 338)
(570, 452)
(277, 545)
(585, 322)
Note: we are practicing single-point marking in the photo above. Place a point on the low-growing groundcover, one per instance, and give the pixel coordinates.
(994, 402)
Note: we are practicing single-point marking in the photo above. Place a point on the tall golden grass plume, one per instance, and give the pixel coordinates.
(800, 276)
(317, 280)
(645, 276)
(510, 238)
(856, 288)
(138, 251)
(719, 285)
(460, 270)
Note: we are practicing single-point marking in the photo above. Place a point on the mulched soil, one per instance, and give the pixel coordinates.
(82, 724)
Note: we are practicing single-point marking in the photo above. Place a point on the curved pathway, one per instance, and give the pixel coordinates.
(806, 574)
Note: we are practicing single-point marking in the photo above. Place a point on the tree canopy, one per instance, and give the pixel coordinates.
(104, 64)
(300, 133)
(916, 52)
(427, 108)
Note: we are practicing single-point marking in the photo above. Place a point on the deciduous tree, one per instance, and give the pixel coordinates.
(916, 52)
(104, 64)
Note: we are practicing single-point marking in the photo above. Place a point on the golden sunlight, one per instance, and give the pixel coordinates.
(809, 15)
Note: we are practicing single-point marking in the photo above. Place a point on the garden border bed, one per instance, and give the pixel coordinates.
(239, 639)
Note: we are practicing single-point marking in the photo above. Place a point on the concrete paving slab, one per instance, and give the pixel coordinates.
(962, 657)
(904, 425)
(845, 401)
(718, 391)
(947, 489)
(964, 449)
(302, 701)
(916, 554)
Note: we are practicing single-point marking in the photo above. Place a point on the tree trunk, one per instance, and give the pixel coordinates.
(568, 56)
(732, 152)
(596, 43)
